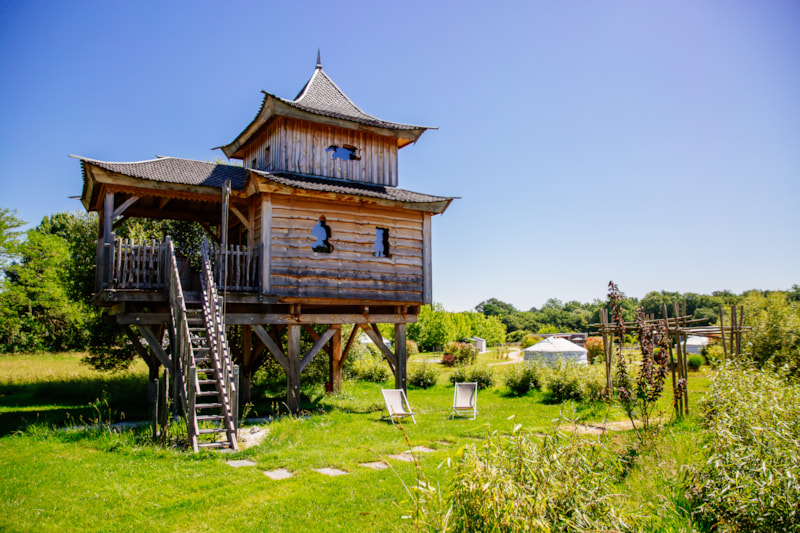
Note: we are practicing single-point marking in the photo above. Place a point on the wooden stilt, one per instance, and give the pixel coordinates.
(336, 361)
(293, 374)
(400, 356)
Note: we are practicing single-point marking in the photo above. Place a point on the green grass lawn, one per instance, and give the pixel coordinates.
(98, 480)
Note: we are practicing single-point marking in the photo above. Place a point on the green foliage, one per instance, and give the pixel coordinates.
(370, 368)
(36, 312)
(594, 347)
(775, 335)
(529, 340)
(9, 234)
(548, 328)
(518, 335)
(568, 381)
(483, 375)
(694, 362)
(521, 378)
(714, 354)
(411, 348)
(423, 375)
(436, 327)
(521, 483)
(749, 480)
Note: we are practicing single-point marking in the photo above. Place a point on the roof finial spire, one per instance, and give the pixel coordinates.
(319, 61)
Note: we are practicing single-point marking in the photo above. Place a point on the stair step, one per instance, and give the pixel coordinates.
(196, 329)
(223, 444)
(207, 393)
(207, 418)
(209, 431)
(206, 381)
(207, 405)
(198, 349)
(208, 370)
(194, 321)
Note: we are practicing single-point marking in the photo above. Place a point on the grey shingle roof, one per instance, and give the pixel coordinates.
(202, 173)
(176, 170)
(323, 97)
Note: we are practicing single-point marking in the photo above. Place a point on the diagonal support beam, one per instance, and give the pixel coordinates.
(241, 217)
(125, 205)
(273, 348)
(321, 341)
(313, 334)
(155, 347)
(375, 336)
(137, 344)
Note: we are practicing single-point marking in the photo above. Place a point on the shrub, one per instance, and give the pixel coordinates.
(694, 362)
(371, 369)
(568, 381)
(714, 354)
(448, 359)
(748, 481)
(517, 336)
(523, 377)
(463, 353)
(483, 375)
(529, 340)
(423, 375)
(594, 345)
(411, 348)
(519, 483)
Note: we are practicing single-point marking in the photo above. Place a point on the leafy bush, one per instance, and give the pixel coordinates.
(519, 483)
(448, 359)
(568, 381)
(411, 348)
(423, 375)
(518, 335)
(523, 377)
(749, 479)
(529, 340)
(370, 368)
(694, 362)
(594, 345)
(483, 375)
(463, 353)
(714, 355)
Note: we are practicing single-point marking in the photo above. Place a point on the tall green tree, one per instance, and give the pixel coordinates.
(9, 234)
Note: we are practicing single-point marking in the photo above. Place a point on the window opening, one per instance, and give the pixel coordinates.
(322, 233)
(381, 245)
(345, 152)
(253, 166)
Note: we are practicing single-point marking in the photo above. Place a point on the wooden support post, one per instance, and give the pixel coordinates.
(164, 400)
(722, 332)
(293, 374)
(427, 262)
(235, 400)
(400, 356)
(266, 243)
(108, 212)
(734, 353)
(337, 361)
(156, 399)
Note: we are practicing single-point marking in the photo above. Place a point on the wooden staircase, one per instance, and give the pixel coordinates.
(207, 376)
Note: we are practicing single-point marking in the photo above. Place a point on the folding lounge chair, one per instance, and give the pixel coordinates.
(397, 404)
(465, 398)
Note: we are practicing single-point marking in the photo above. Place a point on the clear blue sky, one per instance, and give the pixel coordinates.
(653, 143)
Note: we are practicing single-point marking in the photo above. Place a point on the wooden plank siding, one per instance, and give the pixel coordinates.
(351, 271)
(299, 146)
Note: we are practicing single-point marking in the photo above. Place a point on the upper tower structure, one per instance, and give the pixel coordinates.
(322, 133)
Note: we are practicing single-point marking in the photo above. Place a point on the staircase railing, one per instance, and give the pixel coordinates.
(182, 354)
(218, 343)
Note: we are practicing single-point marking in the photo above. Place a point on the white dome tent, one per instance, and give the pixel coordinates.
(554, 349)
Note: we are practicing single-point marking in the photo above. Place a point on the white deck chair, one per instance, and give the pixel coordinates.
(465, 398)
(397, 404)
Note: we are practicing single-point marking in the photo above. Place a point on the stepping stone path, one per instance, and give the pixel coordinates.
(241, 463)
(375, 465)
(330, 471)
(280, 473)
(401, 457)
(422, 449)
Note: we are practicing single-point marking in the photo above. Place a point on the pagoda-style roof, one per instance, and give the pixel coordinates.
(322, 101)
(191, 176)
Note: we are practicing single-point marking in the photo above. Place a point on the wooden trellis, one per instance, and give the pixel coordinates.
(678, 329)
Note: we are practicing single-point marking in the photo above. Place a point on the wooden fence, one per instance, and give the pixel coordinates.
(241, 270)
(138, 265)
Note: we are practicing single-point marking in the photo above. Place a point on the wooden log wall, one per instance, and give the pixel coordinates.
(351, 271)
(299, 146)
(138, 265)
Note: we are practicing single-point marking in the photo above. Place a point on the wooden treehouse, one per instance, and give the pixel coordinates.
(311, 230)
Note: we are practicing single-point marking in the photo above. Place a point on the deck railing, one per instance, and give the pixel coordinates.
(241, 270)
(143, 265)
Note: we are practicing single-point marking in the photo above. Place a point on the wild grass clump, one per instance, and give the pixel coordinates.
(482, 375)
(569, 381)
(521, 483)
(524, 377)
(423, 375)
(749, 481)
(370, 368)
(463, 353)
(694, 362)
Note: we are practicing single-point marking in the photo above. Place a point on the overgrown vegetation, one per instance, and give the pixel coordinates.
(423, 375)
(480, 374)
(523, 377)
(749, 481)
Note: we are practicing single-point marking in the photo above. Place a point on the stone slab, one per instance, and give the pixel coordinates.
(422, 449)
(280, 473)
(401, 457)
(330, 471)
(375, 465)
(241, 463)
